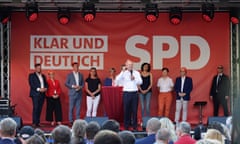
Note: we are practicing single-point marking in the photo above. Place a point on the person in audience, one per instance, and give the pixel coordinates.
(163, 136)
(40, 133)
(167, 123)
(74, 83)
(38, 87)
(153, 125)
(53, 99)
(78, 131)
(8, 129)
(145, 89)
(111, 125)
(165, 86)
(208, 141)
(131, 79)
(93, 89)
(91, 130)
(127, 137)
(61, 134)
(26, 132)
(183, 87)
(110, 80)
(219, 92)
(229, 124)
(35, 139)
(222, 129)
(107, 137)
(183, 133)
(214, 134)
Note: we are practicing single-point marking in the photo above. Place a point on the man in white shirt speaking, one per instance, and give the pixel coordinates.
(130, 79)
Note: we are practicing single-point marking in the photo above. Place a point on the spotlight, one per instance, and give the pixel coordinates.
(88, 11)
(63, 16)
(151, 12)
(234, 15)
(175, 15)
(208, 12)
(5, 14)
(32, 12)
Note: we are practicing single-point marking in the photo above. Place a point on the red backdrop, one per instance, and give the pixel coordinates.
(111, 39)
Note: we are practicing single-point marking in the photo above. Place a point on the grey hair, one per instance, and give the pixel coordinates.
(8, 127)
(79, 128)
(163, 134)
(153, 125)
(184, 127)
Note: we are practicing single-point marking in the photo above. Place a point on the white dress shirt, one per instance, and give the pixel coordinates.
(128, 84)
(41, 80)
(182, 84)
(76, 76)
(165, 84)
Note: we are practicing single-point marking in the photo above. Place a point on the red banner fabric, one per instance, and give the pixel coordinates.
(111, 39)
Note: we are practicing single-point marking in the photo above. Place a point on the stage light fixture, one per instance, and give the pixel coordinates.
(5, 13)
(175, 15)
(208, 12)
(234, 15)
(88, 11)
(32, 12)
(151, 12)
(63, 15)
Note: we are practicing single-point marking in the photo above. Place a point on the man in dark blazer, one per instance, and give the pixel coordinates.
(74, 83)
(153, 125)
(219, 92)
(38, 87)
(183, 87)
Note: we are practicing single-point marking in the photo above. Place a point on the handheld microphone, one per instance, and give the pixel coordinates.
(131, 71)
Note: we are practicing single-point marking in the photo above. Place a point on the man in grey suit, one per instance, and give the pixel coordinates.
(74, 83)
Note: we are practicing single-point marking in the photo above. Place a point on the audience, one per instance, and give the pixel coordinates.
(40, 133)
(214, 134)
(61, 134)
(158, 132)
(153, 125)
(167, 123)
(107, 137)
(183, 133)
(35, 139)
(163, 136)
(26, 132)
(91, 130)
(111, 125)
(79, 131)
(8, 129)
(127, 137)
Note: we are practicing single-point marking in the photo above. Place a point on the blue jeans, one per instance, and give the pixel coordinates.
(145, 98)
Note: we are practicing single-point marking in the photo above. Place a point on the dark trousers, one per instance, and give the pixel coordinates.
(130, 105)
(37, 108)
(217, 101)
(54, 107)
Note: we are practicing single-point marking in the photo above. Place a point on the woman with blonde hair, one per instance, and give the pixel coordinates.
(167, 123)
(214, 134)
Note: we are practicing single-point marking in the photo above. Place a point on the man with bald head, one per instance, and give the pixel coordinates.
(183, 87)
(130, 79)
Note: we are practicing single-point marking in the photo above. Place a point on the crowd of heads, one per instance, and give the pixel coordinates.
(109, 132)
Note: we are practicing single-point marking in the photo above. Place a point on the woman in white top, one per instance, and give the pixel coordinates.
(165, 86)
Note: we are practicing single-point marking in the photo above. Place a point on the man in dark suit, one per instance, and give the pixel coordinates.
(74, 83)
(153, 125)
(8, 131)
(220, 91)
(183, 87)
(38, 87)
